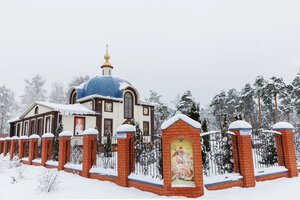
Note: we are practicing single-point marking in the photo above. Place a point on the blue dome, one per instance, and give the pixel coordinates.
(104, 86)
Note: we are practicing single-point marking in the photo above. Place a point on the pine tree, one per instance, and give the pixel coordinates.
(218, 108)
(186, 102)
(231, 103)
(247, 104)
(296, 94)
(194, 112)
(107, 147)
(205, 145)
(34, 91)
(57, 93)
(161, 111)
(286, 103)
(8, 106)
(55, 147)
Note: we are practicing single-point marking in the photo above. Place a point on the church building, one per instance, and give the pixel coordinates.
(103, 102)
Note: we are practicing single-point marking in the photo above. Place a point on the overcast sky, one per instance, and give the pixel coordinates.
(168, 46)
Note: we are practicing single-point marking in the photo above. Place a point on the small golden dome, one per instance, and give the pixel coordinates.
(107, 58)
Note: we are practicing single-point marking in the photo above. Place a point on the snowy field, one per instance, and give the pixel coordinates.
(72, 186)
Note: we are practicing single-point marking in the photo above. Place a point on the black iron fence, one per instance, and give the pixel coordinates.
(267, 149)
(297, 145)
(107, 155)
(218, 153)
(76, 154)
(148, 156)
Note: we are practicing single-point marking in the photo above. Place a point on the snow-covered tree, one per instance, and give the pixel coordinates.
(34, 91)
(7, 107)
(286, 102)
(188, 106)
(247, 104)
(296, 94)
(259, 87)
(231, 104)
(76, 81)
(218, 106)
(57, 93)
(161, 111)
(55, 146)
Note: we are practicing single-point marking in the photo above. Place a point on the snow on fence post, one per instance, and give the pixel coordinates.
(6, 147)
(33, 144)
(89, 150)
(1, 145)
(288, 148)
(125, 136)
(47, 139)
(64, 147)
(13, 147)
(243, 132)
(181, 138)
(22, 142)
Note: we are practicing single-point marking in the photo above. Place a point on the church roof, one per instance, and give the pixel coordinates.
(107, 86)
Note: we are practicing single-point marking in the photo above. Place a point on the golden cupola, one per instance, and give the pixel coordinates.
(106, 67)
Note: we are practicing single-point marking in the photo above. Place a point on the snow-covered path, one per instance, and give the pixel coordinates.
(73, 186)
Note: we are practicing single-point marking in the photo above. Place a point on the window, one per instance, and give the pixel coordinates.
(39, 126)
(26, 128)
(73, 97)
(79, 125)
(36, 110)
(146, 111)
(108, 106)
(32, 127)
(19, 129)
(128, 105)
(47, 127)
(108, 128)
(146, 128)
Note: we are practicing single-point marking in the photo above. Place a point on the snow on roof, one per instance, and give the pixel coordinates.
(7, 138)
(283, 125)
(68, 109)
(24, 137)
(66, 133)
(125, 128)
(183, 117)
(15, 138)
(13, 120)
(34, 136)
(47, 135)
(239, 124)
(90, 131)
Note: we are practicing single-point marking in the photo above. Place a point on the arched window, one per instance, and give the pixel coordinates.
(128, 105)
(73, 97)
(36, 111)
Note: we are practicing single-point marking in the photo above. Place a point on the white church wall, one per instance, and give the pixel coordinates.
(88, 104)
(42, 110)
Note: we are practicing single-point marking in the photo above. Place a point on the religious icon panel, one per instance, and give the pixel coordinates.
(182, 164)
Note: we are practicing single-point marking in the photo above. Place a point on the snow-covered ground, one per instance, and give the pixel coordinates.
(73, 186)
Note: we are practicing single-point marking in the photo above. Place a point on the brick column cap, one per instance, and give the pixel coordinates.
(48, 135)
(7, 138)
(240, 125)
(182, 117)
(66, 134)
(2, 139)
(15, 138)
(283, 126)
(126, 128)
(24, 137)
(90, 131)
(34, 136)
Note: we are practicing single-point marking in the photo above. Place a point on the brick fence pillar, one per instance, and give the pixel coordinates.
(33, 144)
(22, 142)
(47, 140)
(288, 148)
(64, 148)
(1, 145)
(243, 132)
(89, 150)
(125, 135)
(6, 147)
(181, 135)
(14, 146)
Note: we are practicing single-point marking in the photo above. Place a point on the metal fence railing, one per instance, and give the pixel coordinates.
(267, 149)
(76, 154)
